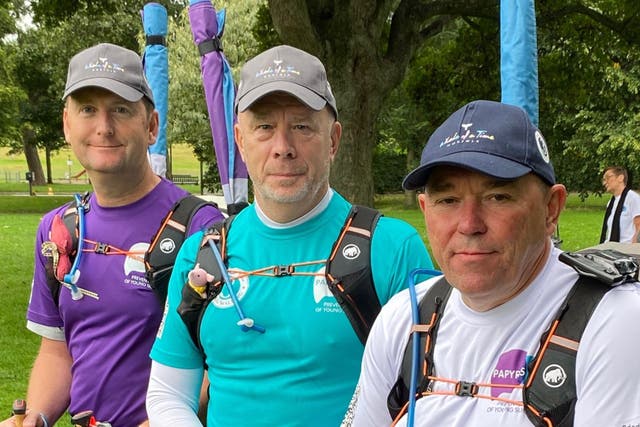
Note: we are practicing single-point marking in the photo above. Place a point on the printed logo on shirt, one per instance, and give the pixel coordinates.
(134, 266)
(239, 287)
(509, 370)
(322, 295)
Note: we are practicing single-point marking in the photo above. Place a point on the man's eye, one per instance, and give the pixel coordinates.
(121, 110)
(500, 197)
(445, 201)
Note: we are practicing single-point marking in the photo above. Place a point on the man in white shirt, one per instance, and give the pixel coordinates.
(491, 205)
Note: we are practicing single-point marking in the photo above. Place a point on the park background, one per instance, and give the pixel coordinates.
(398, 69)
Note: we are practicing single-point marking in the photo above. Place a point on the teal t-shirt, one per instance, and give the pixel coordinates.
(303, 370)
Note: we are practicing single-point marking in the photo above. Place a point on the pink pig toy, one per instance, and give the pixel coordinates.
(198, 279)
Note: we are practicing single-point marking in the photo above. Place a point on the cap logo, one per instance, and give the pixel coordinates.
(278, 70)
(468, 136)
(103, 65)
(542, 146)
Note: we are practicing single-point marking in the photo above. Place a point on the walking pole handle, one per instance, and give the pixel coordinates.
(19, 410)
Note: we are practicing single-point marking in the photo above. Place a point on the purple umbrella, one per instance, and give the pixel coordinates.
(207, 27)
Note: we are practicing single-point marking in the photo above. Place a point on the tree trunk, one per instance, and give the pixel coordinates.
(33, 159)
(410, 195)
(351, 173)
(47, 159)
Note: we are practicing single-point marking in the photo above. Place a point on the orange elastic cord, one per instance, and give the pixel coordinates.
(400, 414)
(543, 349)
(164, 224)
(113, 250)
(344, 231)
(546, 420)
(271, 271)
(427, 344)
(477, 387)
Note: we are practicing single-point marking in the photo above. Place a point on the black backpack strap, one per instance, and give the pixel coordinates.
(550, 387)
(166, 243)
(348, 270)
(431, 308)
(193, 304)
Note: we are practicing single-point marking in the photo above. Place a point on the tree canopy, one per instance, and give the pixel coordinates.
(398, 68)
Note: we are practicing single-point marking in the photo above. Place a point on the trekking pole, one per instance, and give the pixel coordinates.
(19, 410)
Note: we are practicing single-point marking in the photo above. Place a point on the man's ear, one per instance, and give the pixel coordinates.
(237, 136)
(65, 125)
(336, 135)
(154, 127)
(557, 198)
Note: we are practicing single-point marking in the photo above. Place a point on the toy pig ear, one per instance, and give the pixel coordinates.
(210, 277)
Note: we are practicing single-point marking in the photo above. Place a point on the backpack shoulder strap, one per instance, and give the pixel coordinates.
(166, 242)
(430, 309)
(70, 219)
(348, 270)
(193, 304)
(550, 388)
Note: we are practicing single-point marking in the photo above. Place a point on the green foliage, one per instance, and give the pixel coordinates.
(49, 13)
(11, 97)
(388, 170)
(444, 75)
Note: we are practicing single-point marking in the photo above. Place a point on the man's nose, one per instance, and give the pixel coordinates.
(283, 143)
(471, 218)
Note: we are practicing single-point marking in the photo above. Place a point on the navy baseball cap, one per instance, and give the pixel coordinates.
(285, 69)
(489, 137)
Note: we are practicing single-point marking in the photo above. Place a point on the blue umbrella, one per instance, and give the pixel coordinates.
(519, 56)
(156, 68)
(207, 27)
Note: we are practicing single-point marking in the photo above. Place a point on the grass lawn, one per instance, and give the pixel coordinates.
(13, 167)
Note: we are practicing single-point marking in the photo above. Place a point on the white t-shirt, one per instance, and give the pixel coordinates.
(492, 347)
(630, 210)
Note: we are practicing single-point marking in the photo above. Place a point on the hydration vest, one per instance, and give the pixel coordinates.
(549, 392)
(158, 258)
(350, 280)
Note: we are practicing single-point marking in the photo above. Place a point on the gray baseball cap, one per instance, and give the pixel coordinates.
(114, 68)
(285, 69)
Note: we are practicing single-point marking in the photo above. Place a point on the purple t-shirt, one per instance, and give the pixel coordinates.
(110, 331)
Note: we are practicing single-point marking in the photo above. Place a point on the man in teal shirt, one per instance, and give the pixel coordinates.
(302, 370)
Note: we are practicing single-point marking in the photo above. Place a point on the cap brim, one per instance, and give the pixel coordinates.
(306, 96)
(120, 89)
(489, 164)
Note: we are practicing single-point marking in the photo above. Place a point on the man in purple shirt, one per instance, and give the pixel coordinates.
(94, 350)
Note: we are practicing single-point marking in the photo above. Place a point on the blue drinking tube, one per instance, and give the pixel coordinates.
(415, 335)
(245, 323)
(72, 277)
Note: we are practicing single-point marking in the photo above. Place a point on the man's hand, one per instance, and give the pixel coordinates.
(31, 419)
